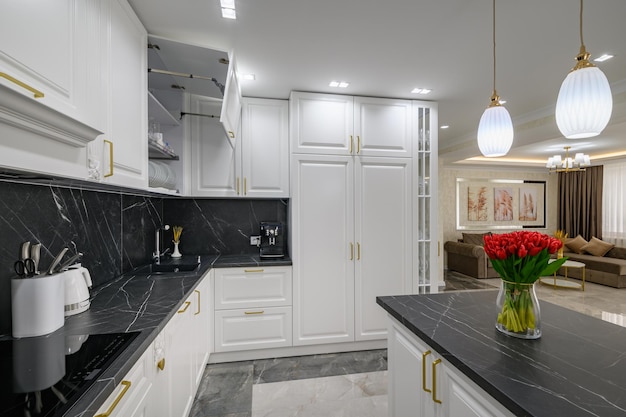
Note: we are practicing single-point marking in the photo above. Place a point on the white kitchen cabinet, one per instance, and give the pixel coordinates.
(257, 165)
(332, 124)
(352, 241)
(323, 248)
(423, 384)
(230, 115)
(201, 329)
(131, 397)
(50, 97)
(264, 148)
(252, 308)
(125, 144)
(383, 238)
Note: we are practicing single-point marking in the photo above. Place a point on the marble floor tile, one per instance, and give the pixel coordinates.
(225, 391)
(362, 395)
(314, 366)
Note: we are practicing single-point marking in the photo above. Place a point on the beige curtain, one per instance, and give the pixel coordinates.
(580, 202)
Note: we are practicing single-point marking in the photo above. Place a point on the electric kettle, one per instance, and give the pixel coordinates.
(77, 283)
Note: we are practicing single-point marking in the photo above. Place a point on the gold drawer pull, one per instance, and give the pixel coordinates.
(358, 144)
(351, 251)
(435, 363)
(358, 251)
(231, 134)
(254, 312)
(197, 312)
(161, 364)
(245, 186)
(428, 352)
(36, 93)
(108, 412)
(351, 144)
(247, 271)
(237, 186)
(187, 304)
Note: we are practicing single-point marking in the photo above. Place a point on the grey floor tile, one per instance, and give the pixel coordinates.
(225, 391)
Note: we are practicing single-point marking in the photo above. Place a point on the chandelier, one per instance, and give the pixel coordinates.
(584, 104)
(495, 129)
(567, 164)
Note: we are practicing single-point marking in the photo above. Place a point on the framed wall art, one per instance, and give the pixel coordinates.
(483, 204)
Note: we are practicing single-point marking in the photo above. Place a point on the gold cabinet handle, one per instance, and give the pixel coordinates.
(248, 271)
(197, 312)
(351, 251)
(231, 134)
(254, 312)
(435, 363)
(237, 186)
(358, 251)
(108, 412)
(428, 352)
(187, 304)
(245, 186)
(161, 364)
(36, 93)
(351, 144)
(110, 174)
(438, 248)
(358, 144)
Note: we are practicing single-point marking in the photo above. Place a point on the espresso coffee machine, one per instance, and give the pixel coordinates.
(272, 242)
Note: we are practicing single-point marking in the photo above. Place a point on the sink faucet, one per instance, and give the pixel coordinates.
(156, 255)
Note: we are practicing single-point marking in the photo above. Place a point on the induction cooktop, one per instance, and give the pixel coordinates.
(46, 375)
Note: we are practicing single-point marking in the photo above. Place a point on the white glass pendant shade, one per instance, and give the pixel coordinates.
(495, 132)
(584, 105)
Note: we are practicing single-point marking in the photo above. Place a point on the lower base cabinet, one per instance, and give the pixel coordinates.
(165, 380)
(423, 384)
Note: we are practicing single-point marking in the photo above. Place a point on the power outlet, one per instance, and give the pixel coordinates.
(255, 240)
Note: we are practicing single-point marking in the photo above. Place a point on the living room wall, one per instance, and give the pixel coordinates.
(447, 195)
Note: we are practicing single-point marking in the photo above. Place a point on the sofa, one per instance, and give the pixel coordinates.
(604, 263)
(468, 257)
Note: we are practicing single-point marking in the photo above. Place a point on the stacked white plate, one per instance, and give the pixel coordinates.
(161, 174)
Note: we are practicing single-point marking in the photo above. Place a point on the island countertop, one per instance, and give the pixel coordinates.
(576, 368)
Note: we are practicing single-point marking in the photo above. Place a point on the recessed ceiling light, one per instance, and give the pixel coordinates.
(603, 58)
(421, 91)
(502, 101)
(445, 126)
(338, 84)
(228, 9)
(250, 77)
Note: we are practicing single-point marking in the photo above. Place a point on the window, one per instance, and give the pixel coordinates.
(614, 203)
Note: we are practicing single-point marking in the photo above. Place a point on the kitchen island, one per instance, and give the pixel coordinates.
(577, 367)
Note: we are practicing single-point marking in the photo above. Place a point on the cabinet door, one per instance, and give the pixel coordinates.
(321, 123)
(382, 127)
(323, 249)
(230, 115)
(410, 365)
(265, 148)
(128, 99)
(383, 234)
(200, 323)
(214, 162)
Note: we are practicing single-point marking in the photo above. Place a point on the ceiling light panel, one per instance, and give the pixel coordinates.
(338, 84)
(228, 9)
(603, 58)
(421, 91)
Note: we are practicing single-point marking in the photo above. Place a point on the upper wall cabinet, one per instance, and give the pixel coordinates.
(51, 93)
(343, 125)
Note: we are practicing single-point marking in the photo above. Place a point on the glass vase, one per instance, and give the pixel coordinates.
(518, 310)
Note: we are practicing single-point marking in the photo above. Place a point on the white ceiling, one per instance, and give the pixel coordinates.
(386, 48)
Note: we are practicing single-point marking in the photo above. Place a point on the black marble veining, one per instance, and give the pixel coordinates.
(577, 367)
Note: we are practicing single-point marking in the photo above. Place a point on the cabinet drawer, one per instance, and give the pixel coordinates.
(131, 392)
(252, 287)
(252, 329)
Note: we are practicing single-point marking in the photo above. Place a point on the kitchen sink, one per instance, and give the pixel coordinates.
(170, 269)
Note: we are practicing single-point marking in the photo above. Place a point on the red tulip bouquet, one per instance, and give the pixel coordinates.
(521, 258)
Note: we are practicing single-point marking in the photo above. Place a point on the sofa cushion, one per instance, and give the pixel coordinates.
(575, 244)
(616, 252)
(597, 247)
(475, 238)
(597, 263)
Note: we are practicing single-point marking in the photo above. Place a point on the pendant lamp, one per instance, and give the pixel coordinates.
(495, 130)
(584, 104)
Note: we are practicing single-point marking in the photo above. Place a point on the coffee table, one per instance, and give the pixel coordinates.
(565, 282)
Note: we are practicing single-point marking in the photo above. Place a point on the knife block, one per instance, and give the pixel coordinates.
(37, 305)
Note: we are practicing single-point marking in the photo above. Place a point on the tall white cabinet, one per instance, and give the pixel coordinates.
(355, 210)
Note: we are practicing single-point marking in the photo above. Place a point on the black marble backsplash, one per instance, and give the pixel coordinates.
(115, 229)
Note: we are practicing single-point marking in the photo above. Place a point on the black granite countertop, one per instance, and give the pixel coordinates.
(144, 303)
(576, 368)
